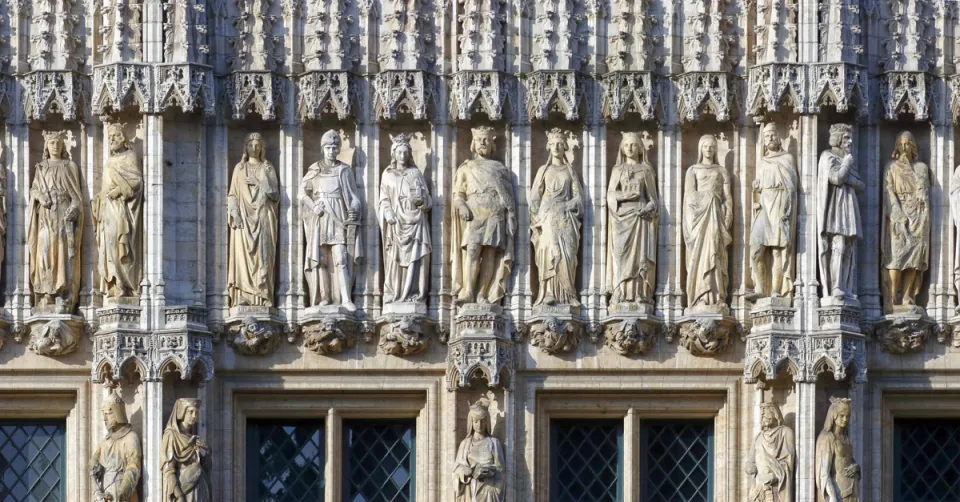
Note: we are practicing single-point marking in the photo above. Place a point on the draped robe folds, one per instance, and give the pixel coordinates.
(485, 186)
(337, 191)
(838, 214)
(906, 222)
(774, 224)
(119, 226)
(183, 466)
(631, 239)
(706, 234)
(833, 455)
(774, 455)
(54, 240)
(555, 231)
(955, 214)
(253, 247)
(472, 453)
(406, 243)
(121, 457)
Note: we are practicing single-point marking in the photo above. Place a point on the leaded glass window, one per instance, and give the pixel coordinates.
(676, 461)
(31, 461)
(285, 461)
(927, 460)
(379, 459)
(586, 461)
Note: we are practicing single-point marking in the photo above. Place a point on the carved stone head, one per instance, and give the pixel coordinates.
(253, 148)
(841, 137)
(401, 154)
(115, 137)
(484, 141)
(707, 150)
(770, 138)
(54, 146)
(330, 144)
(478, 420)
(838, 416)
(114, 411)
(770, 416)
(906, 147)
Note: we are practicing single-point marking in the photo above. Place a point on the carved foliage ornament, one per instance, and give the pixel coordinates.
(47, 92)
(839, 84)
(630, 337)
(256, 92)
(330, 336)
(404, 337)
(773, 85)
(185, 31)
(254, 337)
(482, 37)
(705, 337)
(705, 92)
(555, 336)
(907, 93)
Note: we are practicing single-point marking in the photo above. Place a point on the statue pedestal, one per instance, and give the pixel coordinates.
(705, 330)
(773, 341)
(905, 330)
(631, 328)
(555, 329)
(253, 330)
(405, 308)
(480, 347)
(839, 315)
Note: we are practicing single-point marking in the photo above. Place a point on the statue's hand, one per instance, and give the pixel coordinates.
(852, 471)
(512, 223)
(756, 184)
(751, 470)
(318, 208)
(252, 180)
(390, 217)
(72, 214)
(353, 215)
(464, 211)
(235, 221)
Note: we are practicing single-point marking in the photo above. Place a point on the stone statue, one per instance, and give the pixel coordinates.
(327, 337)
(254, 337)
(184, 457)
(838, 215)
(633, 209)
(330, 207)
(771, 459)
(955, 214)
(404, 337)
(116, 216)
(707, 220)
(484, 224)
(56, 226)
(773, 232)
(837, 475)
(402, 210)
(556, 208)
(55, 338)
(479, 471)
(253, 206)
(117, 462)
(906, 224)
(3, 206)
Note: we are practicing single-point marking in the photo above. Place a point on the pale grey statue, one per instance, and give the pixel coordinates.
(773, 232)
(838, 215)
(118, 461)
(837, 475)
(771, 459)
(479, 469)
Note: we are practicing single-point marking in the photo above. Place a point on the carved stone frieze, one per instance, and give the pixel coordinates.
(330, 336)
(773, 85)
(51, 91)
(404, 336)
(841, 85)
(480, 347)
(551, 91)
(631, 337)
(121, 84)
(701, 93)
(835, 352)
(907, 93)
(327, 93)
(903, 334)
(483, 91)
(259, 92)
(706, 335)
(113, 351)
(767, 353)
(405, 91)
(254, 336)
(56, 337)
(626, 92)
(554, 335)
(188, 87)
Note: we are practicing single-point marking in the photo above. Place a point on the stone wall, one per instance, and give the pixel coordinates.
(190, 79)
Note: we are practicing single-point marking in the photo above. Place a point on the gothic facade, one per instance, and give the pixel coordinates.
(479, 250)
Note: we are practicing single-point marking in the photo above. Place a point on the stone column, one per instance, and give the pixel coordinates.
(518, 300)
(670, 255)
(806, 288)
(334, 452)
(152, 483)
(289, 172)
(17, 160)
(153, 296)
(806, 439)
(858, 416)
(593, 251)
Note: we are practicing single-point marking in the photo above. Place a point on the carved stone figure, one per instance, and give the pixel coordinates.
(837, 475)
(484, 224)
(185, 458)
(118, 460)
(906, 224)
(253, 206)
(704, 337)
(838, 215)
(555, 336)
(327, 337)
(116, 216)
(405, 337)
(556, 208)
(3, 207)
(629, 337)
(772, 235)
(56, 226)
(402, 210)
(707, 220)
(955, 214)
(330, 207)
(55, 338)
(254, 338)
(479, 471)
(633, 209)
(771, 459)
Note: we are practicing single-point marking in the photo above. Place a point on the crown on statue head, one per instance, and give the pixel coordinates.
(479, 408)
(48, 135)
(401, 139)
(115, 126)
(556, 134)
(483, 131)
(840, 400)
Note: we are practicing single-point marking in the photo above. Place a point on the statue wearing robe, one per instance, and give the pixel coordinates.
(772, 234)
(838, 215)
(117, 462)
(771, 459)
(253, 210)
(116, 216)
(56, 227)
(837, 476)
(479, 470)
(185, 458)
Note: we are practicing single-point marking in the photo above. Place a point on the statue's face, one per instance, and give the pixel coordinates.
(843, 416)
(771, 140)
(478, 423)
(330, 152)
(110, 419)
(768, 420)
(483, 145)
(190, 417)
(402, 155)
(630, 148)
(116, 139)
(709, 151)
(254, 147)
(54, 148)
(557, 148)
(846, 142)
(906, 146)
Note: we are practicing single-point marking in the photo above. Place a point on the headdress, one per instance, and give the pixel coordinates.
(115, 126)
(835, 404)
(115, 404)
(913, 140)
(330, 137)
(556, 134)
(479, 410)
(48, 135)
(250, 137)
(483, 131)
(769, 126)
(775, 409)
(840, 129)
(401, 139)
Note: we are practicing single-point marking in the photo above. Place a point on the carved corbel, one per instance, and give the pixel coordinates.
(706, 336)
(184, 343)
(330, 336)
(704, 92)
(254, 337)
(482, 91)
(773, 85)
(627, 92)
(558, 91)
(54, 91)
(555, 336)
(189, 87)
(57, 337)
(904, 335)
(480, 347)
(630, 337)
(405, 91)
(769, 353)
(907, 92)
(331, 93)
(259, 92)
(834, 353)
(404, 336)
(841, 85)
(117, 85)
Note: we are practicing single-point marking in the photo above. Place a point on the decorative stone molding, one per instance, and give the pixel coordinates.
(833, 352)
(331, 36)
(555, 91)
(185, 31)
(708, 40)
(53, 91)
(767, 353)
(121, 30)
(627, 92)
(480, 347)
(404, 336)
(56, 337)
(631, 337)
(6, 97)
(254, 336)
(482, 35)
(554, 335)
(636, 42)
(839, 318)
(120, 84)
(706, 335)
(54, 45)
(255, 42)
(909, 43)
(773, 85)
(405, 91)
(113, 351)
(331, 336)
(189, 87)
(701, 93)
(482, 91)
(841, 85)
(841, 30)
(904, 333)
(559, 36)
(953, 87)
(327, 93)
(259, 92)
(183, 343)
(905, 92)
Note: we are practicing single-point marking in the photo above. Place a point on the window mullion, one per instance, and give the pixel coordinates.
(630, 456)
(334, 451)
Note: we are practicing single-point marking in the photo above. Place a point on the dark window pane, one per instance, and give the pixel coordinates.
(586, 461)
(927, 460)
(285, 461)
(31, 461)
(677, 461)
(379, 459)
